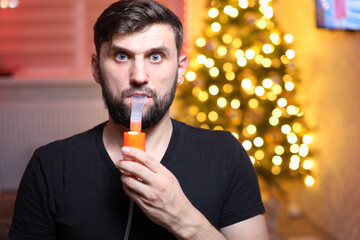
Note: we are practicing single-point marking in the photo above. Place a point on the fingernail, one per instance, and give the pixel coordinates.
(126, 149)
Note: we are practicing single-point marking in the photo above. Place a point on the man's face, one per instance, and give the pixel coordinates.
(141, 63)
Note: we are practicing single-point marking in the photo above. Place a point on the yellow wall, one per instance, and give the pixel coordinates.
(329, 67)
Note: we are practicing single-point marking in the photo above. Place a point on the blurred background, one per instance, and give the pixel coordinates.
(281, 75)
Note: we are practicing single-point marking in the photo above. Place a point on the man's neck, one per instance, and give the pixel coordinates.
(157, 138)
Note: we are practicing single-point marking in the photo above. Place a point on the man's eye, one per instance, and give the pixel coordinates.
(156, 57)
(121, 56)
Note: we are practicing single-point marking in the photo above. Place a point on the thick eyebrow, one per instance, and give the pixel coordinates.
(161, 49)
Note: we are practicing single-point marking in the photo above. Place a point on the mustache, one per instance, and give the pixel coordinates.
(152, 93)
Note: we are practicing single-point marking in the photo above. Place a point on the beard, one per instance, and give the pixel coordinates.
(120, 112)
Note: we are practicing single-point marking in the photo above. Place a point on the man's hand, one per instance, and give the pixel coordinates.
(158, 193)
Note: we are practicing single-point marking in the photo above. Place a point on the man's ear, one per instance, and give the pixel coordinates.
(95, 68)
(182, 68)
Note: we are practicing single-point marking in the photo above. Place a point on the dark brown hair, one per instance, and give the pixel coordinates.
(128, 16)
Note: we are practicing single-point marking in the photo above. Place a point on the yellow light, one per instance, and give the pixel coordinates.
(292, 138)
(259, 91)
(309, 181)
(232, 12)
(213, 90)
(230, 76)
(294, 148)
(193, 110)
(266, 62)
(252, 159)
(253, 103)
(284, 59)
(235, 135)
(241, 61)
(259, 155)
(201, 117)
(209, 62)
(290, 54)
(214, 72)
(289, 86)
(276, 170)
(261, 24)
(277, 89)
(219, 128)
(213, 12)
(267, 83)
(227, 38)
(228, 88)
(271, 96)
(259, 59)
(264, 2)
(268, 12)
(279, 150)
(213, 116)
(247, 145)
(307, 139)
(237, 43)
(205, 126)
(228, 67)
(258, 142)
(273, 121)
(190, 76)
(285, 129)
(249, 54)
(203, 96)
(294, 165)
(304, 150)
(215, 26)
(243, 4)
(268, 48)
(287, 78)
(200, 42)
(282, 102)
(277, 112)
(221, 102)
(222, 51)
(246, 84)
(251, 129)
(292, 110)
(201, 58)
(297, 127)
(275, 38)
(277, 160)
(288, 38)
(235, 103)
(239, 53)
(228, 9)
(196, 91)
(307, 164)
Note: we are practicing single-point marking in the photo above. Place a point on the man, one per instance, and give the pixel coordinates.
(190, 183)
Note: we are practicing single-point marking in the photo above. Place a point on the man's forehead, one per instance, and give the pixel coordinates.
(155, 34)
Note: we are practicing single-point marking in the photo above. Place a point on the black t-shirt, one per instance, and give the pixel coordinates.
(72, 190)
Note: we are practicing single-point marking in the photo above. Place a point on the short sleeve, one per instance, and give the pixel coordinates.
(242, 196)
(32, 216)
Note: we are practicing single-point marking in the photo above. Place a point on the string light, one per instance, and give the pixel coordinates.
(190, 76)
(248, 72)
(309, 181)
(213, 12)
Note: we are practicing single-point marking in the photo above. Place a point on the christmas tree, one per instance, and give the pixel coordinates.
(242, 78)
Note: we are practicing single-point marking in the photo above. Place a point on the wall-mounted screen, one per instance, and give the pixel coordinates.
(338, 14)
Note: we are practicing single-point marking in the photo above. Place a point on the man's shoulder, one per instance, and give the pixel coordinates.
(79, 141)
(206, 134)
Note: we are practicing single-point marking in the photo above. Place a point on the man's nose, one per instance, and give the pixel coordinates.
(138, 75)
